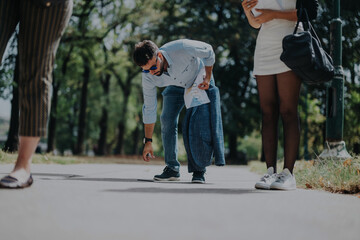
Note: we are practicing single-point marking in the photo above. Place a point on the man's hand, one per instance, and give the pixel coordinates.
(205, 84)
(148, 152)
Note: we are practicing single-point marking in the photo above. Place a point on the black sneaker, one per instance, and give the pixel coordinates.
(198, 177)
(167, 175)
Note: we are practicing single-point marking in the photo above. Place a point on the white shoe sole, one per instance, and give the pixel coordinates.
(197, 181)
(281, 187)
(166, 179)
(262, 186)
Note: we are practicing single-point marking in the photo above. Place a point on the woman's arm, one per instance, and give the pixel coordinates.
(269, 14)
(247, 6)
(266, 14)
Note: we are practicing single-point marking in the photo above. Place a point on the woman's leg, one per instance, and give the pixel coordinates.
(39, 36)
(288, 85)
(27, 148)
(40, 31)
(268, 95)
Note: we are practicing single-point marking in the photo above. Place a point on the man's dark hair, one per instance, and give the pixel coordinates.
(144, 51)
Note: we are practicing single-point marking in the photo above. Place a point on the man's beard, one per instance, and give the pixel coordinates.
(161, 71)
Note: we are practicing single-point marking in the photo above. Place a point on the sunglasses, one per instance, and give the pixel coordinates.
(153, 67)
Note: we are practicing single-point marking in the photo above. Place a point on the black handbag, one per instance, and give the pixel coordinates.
(303, 53)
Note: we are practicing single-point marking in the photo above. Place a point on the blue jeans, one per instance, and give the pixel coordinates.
(173, 103)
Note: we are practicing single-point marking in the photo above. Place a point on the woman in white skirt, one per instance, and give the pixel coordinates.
(278, 86)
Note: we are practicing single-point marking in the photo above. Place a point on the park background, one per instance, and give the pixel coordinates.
(97, 95)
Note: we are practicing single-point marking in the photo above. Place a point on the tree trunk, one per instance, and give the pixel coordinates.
(102, 146)
(120, 139)
(232, 147)
(83, 105)
(135, 138)
(12, 142)
(122, 122)
(54, 101)
(52, 120)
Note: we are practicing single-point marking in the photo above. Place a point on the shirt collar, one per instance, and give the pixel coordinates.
(167, 57)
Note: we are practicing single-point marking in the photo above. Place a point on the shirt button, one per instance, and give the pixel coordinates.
(48, 4)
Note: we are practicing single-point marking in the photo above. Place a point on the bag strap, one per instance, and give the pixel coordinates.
(306, 23)
(313, 33)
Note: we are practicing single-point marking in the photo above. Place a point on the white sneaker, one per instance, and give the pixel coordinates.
(266, 180)
(284, 181)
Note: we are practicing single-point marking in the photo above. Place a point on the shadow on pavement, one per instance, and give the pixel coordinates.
(110, 179)
(74, 177)
(77, 178)
(235, 191)
(51, 175)
(56, 175)
(125, 180)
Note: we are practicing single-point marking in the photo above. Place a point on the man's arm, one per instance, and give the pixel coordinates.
(149, 115)
(148, 149)
(206, 53)
(205, 84)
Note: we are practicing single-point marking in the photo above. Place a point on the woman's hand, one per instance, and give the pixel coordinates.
(265, 16)
(248, 5)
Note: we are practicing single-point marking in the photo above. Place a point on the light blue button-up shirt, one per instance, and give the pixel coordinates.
(185, 58)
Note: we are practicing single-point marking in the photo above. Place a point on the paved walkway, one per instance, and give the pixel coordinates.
(85, 202)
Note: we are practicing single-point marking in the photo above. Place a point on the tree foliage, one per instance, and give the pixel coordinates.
(97, 97)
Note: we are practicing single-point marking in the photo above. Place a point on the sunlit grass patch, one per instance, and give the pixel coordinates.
(41, 158)
(10, 158)
(331, 175)
(338, 176)
(7, 157)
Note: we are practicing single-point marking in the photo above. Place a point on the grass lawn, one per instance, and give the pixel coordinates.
(337, 176)
(50, 159)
